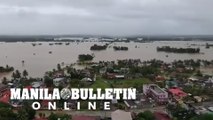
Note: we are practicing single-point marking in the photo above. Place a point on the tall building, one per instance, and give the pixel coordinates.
(156, 93)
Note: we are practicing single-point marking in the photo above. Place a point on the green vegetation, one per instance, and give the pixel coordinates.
(100, 83)
(3, 105)
(85, 57)
(146, 115)
(7, 114)
(120, 48)
(16, 74)
(138, 83)
(24, 113)
(48, 81)
(194, 90)
(98, 47)
(6, 69)
(203, 117)
(178, 50)
(179, 112)
(25, 73)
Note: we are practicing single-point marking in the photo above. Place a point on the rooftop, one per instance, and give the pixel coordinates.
(177, 92)
(121, 115)
(157, 89)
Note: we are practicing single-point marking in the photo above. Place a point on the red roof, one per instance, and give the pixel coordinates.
(76, 117)
(177, 92)
(5, 97)
(161, 116)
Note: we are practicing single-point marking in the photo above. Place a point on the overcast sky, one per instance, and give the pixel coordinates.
(106, 17)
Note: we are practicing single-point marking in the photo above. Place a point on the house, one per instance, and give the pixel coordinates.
(121, 115)
(159, 78)
(177, 93)
(193, 79)
(155, 92)
(82, 117)
(171, 83)
(103, 70)
(58, 74)
(86, 79)
(5, 97)
(85, 73)
(198, 98)
(114, 76)
(130, 104)
(58, 81)
(36, 84)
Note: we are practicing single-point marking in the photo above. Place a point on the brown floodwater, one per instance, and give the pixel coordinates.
(41, 58)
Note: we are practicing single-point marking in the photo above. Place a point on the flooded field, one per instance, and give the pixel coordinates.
(41, 58)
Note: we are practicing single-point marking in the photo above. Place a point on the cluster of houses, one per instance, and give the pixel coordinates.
(171, 92)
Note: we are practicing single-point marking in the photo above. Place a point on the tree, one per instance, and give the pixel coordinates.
(22, 115)
(13, 75)
(59, 67)
(85, 57)
(4, 81)
(146, 115)
(52, 117)
(17, 74)
(7, 114)
(25, 73)
(48, 81)
(30, 111)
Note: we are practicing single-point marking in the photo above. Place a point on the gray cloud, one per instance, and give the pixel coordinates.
(109, 17)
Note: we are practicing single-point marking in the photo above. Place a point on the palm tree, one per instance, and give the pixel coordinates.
(58, 66)
(25, 73)
(13, 75)
(4, 81)
(17, 74)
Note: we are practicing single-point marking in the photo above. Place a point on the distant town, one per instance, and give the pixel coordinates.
(104, 38)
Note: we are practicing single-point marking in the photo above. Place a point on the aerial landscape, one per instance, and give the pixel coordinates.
(106, 60)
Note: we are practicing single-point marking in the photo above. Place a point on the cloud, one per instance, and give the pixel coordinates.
(110, 17)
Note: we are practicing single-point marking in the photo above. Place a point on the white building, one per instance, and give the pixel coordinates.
(155, 92)
(57, 81)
